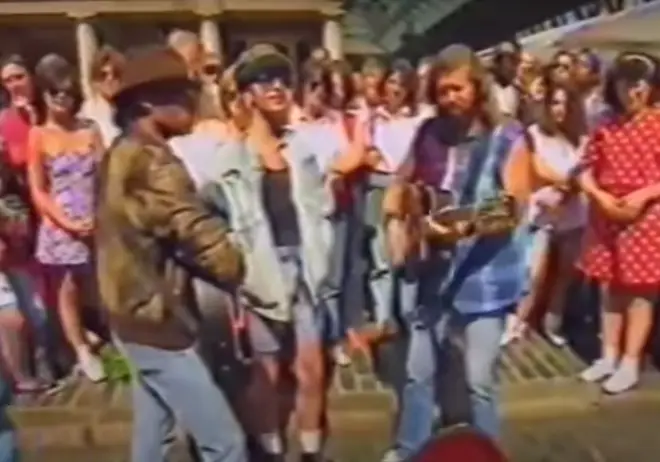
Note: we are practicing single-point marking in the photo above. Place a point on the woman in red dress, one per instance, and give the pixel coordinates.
(622, 247)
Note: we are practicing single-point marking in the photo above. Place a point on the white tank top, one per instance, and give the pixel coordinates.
(562, 157)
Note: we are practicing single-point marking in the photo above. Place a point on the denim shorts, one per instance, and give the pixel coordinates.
(273, 337)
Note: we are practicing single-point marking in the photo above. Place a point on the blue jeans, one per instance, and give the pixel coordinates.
(347, 310)
(8, 446)
(176, 385)
(31, 304)
(482, 336)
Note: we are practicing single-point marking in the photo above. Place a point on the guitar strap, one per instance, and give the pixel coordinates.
(477, 161)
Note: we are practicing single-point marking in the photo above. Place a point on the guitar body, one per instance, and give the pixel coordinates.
(406, 206)
(459, 444)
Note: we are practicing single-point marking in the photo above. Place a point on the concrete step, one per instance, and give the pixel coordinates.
(537, 380)
(616, 433)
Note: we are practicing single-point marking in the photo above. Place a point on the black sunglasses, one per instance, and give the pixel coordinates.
(268, 76)
(61, 92)
(211, 70)
(315, 85)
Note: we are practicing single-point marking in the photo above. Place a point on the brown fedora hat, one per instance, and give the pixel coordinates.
(152, 65)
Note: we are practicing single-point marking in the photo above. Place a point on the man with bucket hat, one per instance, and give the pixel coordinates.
(287, 211)
(148, 215)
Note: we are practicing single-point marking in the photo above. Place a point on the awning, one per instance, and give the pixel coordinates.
(636, 29)
(544, 44)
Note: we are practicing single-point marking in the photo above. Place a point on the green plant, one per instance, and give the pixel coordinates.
(117, 367)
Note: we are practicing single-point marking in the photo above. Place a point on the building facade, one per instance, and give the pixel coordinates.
(76, 28)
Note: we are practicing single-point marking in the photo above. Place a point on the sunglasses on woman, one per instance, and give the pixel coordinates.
(211, 70)
(62, 92)
(14, 78)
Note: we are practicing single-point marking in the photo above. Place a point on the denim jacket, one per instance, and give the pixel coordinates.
(235, 192)
(489, 273)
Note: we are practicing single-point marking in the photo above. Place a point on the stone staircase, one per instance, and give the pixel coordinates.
(537, 379)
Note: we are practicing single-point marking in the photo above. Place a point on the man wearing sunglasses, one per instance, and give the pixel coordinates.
(284, 218)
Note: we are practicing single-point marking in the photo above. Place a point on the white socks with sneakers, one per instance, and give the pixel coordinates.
(310, 441)
(272, 443)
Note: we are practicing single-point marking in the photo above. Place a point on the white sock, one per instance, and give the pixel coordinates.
(552, 322)
(272, 443)
(83, 351)
(611, 355)
(630, 363)
(310, 441)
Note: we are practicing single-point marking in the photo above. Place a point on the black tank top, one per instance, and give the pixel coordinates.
(279, 207)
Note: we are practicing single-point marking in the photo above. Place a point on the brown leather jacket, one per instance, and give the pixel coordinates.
(147, 213)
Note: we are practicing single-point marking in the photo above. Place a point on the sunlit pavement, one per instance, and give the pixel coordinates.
(550, 416)
(620, 432)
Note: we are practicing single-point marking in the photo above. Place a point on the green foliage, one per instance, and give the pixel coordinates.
(117, 368)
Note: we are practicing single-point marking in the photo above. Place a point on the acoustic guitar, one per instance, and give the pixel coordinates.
(498, 215)
(418, 215)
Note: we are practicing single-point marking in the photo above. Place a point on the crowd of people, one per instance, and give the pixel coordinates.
(321, 211)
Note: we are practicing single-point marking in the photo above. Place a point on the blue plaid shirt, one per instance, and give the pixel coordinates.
(485, 274)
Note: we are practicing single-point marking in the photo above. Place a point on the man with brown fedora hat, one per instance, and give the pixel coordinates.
(149, 222)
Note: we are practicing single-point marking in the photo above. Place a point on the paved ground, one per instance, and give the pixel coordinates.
(550, 417)
(619, 433)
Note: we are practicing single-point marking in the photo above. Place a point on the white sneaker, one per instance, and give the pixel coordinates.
(392, 456)
(509, 336)
(515, 330)
(91, 365)
(556, 339)
(623, 379)
(599, 370)
(341, 358)
(552, 323)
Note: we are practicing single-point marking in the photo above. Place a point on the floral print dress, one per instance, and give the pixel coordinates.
(71, 178)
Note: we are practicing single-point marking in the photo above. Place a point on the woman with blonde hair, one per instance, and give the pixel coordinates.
(105, 74)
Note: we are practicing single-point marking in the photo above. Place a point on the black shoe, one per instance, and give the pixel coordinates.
(257, 454)
(312, 457)
(268, 458)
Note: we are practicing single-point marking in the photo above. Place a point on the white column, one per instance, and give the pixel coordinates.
(87, 44)
(209, 34)
(333, 38)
